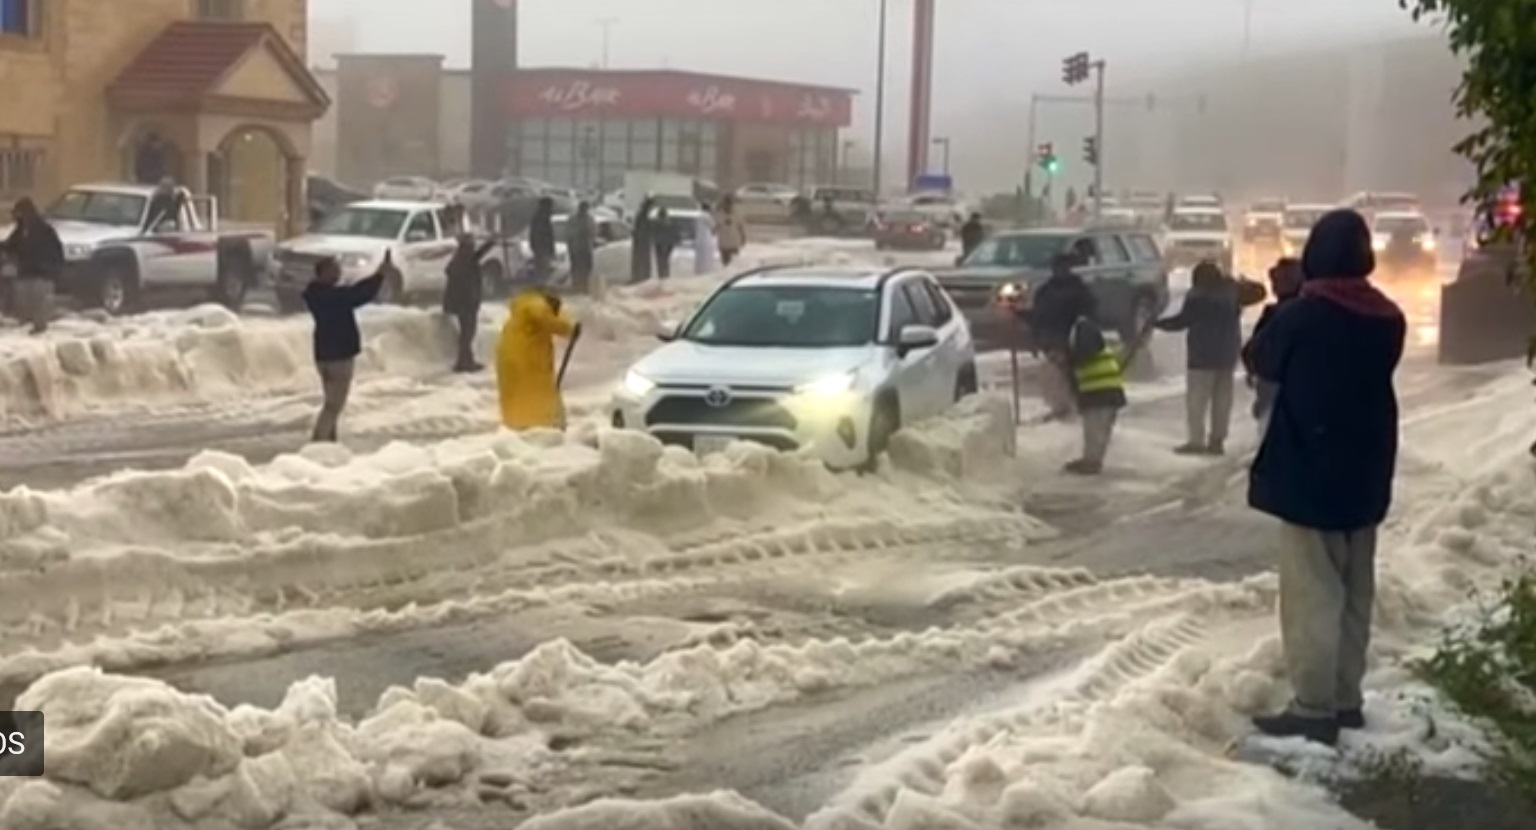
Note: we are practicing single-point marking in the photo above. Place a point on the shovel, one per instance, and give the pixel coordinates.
(565, 360)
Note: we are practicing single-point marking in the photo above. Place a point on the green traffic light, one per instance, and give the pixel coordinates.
(1052, 165)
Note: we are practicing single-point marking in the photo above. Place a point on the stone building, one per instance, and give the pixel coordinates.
(211, 92)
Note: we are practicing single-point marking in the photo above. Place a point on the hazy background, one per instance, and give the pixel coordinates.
(990, 54)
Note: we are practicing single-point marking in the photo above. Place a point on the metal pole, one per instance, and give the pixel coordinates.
(1098, 140)
(1247, 27)
(607, 25)
(880, 101)
(946, 157)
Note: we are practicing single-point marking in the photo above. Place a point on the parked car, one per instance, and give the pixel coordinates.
(908, 230)
(419, 237)
(1125, 270)
(408, 188)
(120, 258)
(836, 211)
(766, 202)
(834, 359)
(941, 209)
(1296, 226)
(610, 227)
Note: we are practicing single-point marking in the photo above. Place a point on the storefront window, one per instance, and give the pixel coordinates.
(561, 129)
(645, 129)
(561, 151)
(534, 128)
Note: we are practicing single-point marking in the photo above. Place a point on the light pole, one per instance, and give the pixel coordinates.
(1075, 70)
(943, 141)
(1247, 27)
(606, 24)
(880, 100)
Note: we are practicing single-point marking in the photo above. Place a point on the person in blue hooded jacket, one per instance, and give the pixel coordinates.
(1325, 469)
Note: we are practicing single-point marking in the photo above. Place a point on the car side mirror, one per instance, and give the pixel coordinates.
(914, 338)
(669, 331)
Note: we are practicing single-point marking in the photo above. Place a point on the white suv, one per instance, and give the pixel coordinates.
(835, 359)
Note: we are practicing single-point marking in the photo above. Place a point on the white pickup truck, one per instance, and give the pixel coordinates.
(115, 261)
(419, 236)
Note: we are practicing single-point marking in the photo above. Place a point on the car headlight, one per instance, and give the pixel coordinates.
(1378, 244)
(1427, 243)
(77, 250)
(354, 261)
(638, 385)
(831, 385)
(1010, 293)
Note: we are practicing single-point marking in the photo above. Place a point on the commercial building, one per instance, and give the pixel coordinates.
(406, 114)
(211, 92)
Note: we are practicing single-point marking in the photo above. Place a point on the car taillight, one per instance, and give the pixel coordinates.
(917, 228)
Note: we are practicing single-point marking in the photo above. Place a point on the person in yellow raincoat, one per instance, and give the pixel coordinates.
(525, 361)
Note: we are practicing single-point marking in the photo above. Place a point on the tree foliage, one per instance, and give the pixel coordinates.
(1496, 40)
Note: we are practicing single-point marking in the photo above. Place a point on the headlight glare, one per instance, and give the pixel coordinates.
(637, 384)
(77, 250)
(831, 385)
(354, 260)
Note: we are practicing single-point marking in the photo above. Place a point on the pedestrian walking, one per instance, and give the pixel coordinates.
(706, 253)
(1284, 286)
(1211, 319)
(664, 240)
(541, 239)
(1099, 384)
(731, 230)
(580, 243)
(1057, 305)
(971, 235)
(1325, 469)
(337, 341)
(463, 294)
(642, 246)
(34, 246)
(525, 360)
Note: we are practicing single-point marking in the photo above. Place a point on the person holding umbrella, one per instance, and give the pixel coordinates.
(526, 379)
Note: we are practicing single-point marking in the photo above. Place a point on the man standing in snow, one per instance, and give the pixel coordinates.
(1325, 469)
(39, 258)
(731, 230)
(463, 294)
(971, 235)
(337, 339)
(1057, 305)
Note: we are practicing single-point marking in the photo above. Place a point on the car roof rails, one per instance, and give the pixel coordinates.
(894, 273)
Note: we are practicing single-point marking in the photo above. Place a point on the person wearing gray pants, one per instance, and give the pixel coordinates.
(1208, 402)
(1213, 341)
(1325, 467)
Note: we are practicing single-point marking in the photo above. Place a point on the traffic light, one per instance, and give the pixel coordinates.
(1045, 158)
(1074, 69)
(1091, 150)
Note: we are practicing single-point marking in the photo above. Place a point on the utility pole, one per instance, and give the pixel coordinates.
(1247, 28)
(880, 101)
(606, 24)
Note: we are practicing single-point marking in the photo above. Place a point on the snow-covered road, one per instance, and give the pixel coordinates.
(966, 640)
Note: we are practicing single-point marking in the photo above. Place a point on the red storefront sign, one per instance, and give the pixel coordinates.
(578, 94)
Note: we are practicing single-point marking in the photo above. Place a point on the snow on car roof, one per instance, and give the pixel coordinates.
(1314, 207)
(1200, 210)
(854, 277)
(116, 187)
(396, 204)
(1399, 215)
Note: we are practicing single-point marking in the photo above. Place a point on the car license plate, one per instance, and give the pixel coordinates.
(709, 444)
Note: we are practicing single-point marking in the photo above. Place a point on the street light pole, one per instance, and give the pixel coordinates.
(880, 100)
(606, 24)
(943, 141)
(1247, 27)
(1029, 170)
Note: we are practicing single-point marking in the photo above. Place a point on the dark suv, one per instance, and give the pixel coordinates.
(1125, 270)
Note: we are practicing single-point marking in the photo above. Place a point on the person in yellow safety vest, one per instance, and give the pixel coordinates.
(525, 361)
(1100, 388)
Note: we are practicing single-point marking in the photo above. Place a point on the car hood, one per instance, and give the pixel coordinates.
(324, 245)
(72, 232)
(686, 362)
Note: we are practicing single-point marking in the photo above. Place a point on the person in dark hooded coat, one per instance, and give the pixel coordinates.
(1211, 319)
(1325, 469)
(642, 245)
(1284, 285)
(971, 235)
(1059, 302)
(541, 239)
(39, 258)
(463, 294)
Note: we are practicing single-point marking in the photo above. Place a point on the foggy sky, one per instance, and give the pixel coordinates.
(990, 54)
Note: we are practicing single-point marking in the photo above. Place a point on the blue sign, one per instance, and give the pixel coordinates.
(933, 182)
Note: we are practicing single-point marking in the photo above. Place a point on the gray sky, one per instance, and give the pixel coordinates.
(990, 54)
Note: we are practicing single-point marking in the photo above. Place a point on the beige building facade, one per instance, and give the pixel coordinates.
(213, 93)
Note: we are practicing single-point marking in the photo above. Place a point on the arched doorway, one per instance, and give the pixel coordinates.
(149, 157)
(249, 175)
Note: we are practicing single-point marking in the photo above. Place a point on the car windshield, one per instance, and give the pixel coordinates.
(1401, 224)
(1302, 219)
(791, 316)
(1019, 251)
(375, 223)
(102, 208)
(1197, 222)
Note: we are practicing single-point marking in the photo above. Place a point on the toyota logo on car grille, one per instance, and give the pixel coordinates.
(718, 397)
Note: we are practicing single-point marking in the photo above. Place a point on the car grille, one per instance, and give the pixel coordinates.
(685, 440)
(753, 413)
(295, 267)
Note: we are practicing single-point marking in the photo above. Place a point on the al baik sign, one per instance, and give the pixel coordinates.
(580, 95)
(712, 100)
